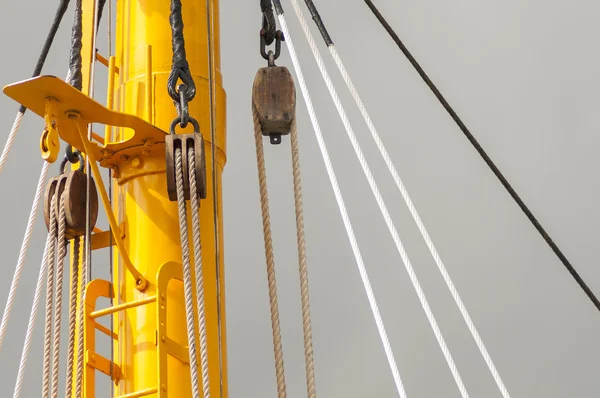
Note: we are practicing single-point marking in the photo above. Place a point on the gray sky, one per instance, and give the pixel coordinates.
(522, 74)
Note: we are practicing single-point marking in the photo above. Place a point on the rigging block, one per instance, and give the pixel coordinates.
(274, 98)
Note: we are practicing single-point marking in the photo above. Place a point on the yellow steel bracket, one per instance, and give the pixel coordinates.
(38, 92)
(140, 282)
(166, 346)
(50, 141)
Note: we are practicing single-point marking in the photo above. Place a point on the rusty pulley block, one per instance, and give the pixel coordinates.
(74, 184)
(184, 142)
(274, 95)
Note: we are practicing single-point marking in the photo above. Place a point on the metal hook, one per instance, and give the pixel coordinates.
(69, 158)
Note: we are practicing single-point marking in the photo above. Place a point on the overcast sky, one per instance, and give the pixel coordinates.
(523, 74)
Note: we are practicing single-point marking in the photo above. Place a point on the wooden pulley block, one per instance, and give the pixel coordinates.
(74, 185)
(55, 186)
(185, 142)
(274, 98)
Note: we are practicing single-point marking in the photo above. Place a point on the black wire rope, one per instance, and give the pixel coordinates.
(75, 77)
(268, 23)
(60, 12)
(180, 69)
(485, 156)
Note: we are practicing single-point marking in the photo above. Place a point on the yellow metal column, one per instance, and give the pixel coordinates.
(149, 219)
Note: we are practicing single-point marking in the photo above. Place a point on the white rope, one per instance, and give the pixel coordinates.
(11, 139)
(23, 252)
(344, 213)
(32, 317)
(413, 211)
(381, 203)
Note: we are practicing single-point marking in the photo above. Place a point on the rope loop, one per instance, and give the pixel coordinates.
(180, 69)
(268, 21)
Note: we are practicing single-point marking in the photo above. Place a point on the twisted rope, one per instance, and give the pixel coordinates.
(72, 316)
(272, 281)
(80, 322)
(187, 274)
(421, 226)
(11, 138)
(32, 318)
(342, 206)
(382, 206)
(58, 285)
(304, 294)
(195, 207)
(23, 252)
(49, 301)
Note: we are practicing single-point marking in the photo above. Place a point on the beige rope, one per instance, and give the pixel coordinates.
(306, 322)
(72, 317)
(272, 281)
(80, 324)
(195, 207)
(49, 301)
(58, 286)
(187, 275)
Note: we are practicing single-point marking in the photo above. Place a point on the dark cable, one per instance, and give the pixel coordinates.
(485, 157)
(75, 77)
(60, 12)
(101, 4)
(319, 22)
(278, 7)
(180, 68)
(268, 22)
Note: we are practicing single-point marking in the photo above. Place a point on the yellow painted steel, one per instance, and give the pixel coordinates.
(150, 351)
(143, 58)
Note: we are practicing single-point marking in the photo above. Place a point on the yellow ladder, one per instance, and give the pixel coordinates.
(165, 346)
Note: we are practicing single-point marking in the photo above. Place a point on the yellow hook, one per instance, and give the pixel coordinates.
(50, 141)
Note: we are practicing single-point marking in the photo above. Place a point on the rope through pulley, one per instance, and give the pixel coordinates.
(186, 180)
(65, 209)
(274, 115)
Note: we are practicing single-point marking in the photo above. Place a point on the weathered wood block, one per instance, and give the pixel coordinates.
(274, 97)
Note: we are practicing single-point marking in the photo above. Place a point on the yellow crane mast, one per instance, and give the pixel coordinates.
(150, 356)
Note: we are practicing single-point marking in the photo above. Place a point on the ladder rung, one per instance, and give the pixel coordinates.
(141, 393)
(121, 307)
(104, 61)
(106, 331)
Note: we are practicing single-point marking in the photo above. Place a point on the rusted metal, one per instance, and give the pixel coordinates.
(185, 141)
